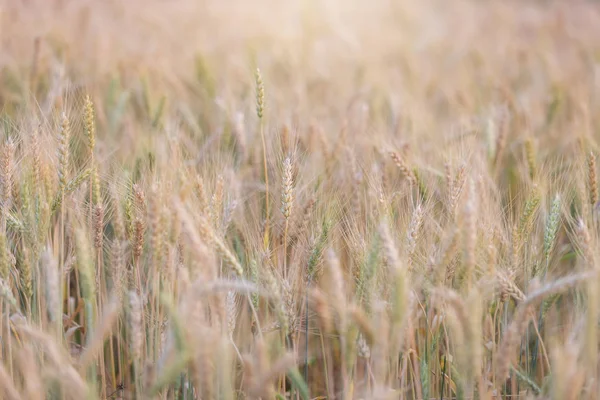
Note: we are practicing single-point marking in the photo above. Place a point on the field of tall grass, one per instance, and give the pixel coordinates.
(303, 199)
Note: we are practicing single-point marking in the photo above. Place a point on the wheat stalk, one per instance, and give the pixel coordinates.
(260, 108)
(287, 201)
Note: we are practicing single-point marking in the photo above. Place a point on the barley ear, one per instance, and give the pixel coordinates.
(63, 151)
(260, 94)
(552, 225)
(69, 188)
(531, 207)
(530, 155)
(7, 166)
(412, 236)
(232, 312)
(139, 228)
(592, 179)
(25, 271)
(287, 193)
(98, 226)
(406, 172)
(90, 128)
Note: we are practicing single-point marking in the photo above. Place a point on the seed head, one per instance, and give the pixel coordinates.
(98, 226)
(287, 194)
(90, 128)
(552, 226)
(593, 179)
(260, 94)
(63, 151)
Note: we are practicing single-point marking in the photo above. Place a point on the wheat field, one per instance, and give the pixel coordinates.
(301, 199)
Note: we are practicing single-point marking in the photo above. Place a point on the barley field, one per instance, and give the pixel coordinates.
(301, 199)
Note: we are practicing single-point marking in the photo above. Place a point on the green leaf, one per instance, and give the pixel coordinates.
(299, 383)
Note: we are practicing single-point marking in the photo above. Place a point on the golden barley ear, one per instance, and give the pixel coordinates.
(592, 179)
(89, 124)
(406, 172)
(287, 192)
(6, 174)
(63, 151)
(414, 231)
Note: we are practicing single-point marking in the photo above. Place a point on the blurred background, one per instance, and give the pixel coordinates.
(427, 56)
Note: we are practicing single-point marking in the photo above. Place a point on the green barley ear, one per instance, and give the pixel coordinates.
(260, 94)
(420, 184)
(230, 259)
(530, 154)
(95, 180)
(90, 128)
(255, 279)
(315, 255)
(98, 224)
(25, 272)
(531, 206)
(552, 225)
(70, 187)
